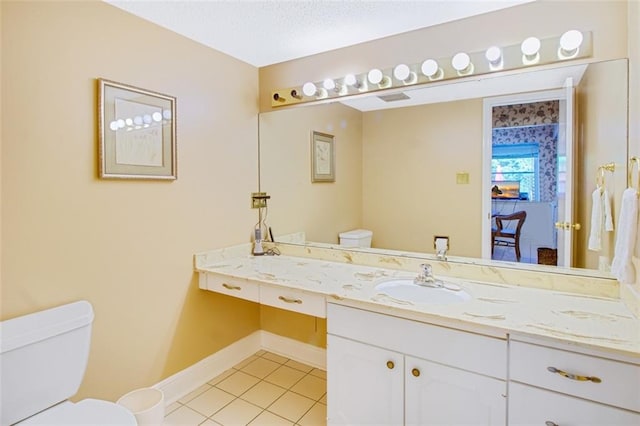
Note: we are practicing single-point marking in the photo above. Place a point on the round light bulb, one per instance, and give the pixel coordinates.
(329, 84)
(156, 116)
(120, 123)
(350, 80)
(430, 68)
(571, 41)
(128, 121)
(113, 125)
(309, 89)
(375, 76)
(166, 114)
(401, 72)
(530, 46)
(461, 61)
(493, 54)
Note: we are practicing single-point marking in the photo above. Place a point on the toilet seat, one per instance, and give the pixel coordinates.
(85, 412)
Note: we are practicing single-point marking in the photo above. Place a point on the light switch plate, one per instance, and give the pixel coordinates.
(462, 178)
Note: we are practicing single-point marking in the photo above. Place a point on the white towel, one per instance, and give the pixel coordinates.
(622, 266)
(600, 218)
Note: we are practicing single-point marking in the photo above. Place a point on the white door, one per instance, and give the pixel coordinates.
(439, 395)
(533, 406)
(364, 384)
(566, 166)
(565, 158)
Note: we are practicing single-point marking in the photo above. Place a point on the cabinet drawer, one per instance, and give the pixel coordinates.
(467, 351)
(235, 287)
(615, 383)
(534, 406)
(294, 300)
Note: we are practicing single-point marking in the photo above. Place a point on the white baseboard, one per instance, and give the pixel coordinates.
(196, 375)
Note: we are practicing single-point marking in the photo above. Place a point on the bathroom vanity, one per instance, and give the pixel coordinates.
(509, 355)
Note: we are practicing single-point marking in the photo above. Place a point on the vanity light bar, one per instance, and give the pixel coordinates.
(532, 51)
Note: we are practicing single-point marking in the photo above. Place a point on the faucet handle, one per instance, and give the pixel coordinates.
(426, 269)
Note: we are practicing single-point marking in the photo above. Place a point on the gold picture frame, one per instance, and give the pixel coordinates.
(322, 158)
(137, 133)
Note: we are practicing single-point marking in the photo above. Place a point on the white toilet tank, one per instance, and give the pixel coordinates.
(356, 238)
(43, 357)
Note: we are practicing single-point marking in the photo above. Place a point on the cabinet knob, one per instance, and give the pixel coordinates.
(550, 423)
(390, 365)
(575, 376)
(415, 372)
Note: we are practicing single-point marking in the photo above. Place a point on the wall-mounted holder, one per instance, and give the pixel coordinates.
(569, 46)
(259, 200)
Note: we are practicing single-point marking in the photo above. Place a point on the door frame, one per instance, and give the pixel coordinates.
(487, 144)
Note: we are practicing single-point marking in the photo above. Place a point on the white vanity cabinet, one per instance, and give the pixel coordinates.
(387, 370)
(295, 300)
(555, 386)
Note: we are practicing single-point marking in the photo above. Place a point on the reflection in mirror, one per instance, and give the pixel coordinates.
(409, 170)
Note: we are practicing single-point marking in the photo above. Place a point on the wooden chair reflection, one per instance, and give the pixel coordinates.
(504, 235)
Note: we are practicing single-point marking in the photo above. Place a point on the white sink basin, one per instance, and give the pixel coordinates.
(405, 289)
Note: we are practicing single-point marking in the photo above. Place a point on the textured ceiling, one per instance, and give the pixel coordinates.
(271, 31)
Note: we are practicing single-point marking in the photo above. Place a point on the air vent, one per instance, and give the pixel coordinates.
(394, 97)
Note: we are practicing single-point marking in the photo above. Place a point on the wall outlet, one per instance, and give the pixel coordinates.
(259, 200)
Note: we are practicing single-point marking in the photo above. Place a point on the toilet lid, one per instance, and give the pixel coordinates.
(85, 412)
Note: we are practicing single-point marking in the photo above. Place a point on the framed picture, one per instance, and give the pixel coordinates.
(137, 133)
(322, 158)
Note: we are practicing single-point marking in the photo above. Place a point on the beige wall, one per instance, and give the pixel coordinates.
(410, 159)
(601, 138)
(126, 246)
(296, 203)
(634, 120)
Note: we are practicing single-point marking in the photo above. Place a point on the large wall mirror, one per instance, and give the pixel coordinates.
(413, 166)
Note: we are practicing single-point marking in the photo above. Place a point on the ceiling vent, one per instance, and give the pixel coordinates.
(394, 97)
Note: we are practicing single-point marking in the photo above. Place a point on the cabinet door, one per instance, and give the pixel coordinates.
(534, 406)
(439, 395)
(364, 384)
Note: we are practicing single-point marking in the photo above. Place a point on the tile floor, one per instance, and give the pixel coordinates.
(264, 389)
(508, 254)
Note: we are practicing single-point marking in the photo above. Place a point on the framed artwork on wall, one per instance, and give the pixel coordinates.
(322, 158)
(137, 133)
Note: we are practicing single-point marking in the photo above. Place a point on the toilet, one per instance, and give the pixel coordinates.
(43, 357)
(356, 238)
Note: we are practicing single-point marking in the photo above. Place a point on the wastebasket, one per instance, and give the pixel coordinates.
(147, 404)
(547, 256)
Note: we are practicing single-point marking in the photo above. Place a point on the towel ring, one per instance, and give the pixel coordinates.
(600, 174)
(634, 161)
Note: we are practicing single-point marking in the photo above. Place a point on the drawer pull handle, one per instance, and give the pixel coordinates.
(415, 372)
(390, 365)
(288, 300)
(231, 287)
(550, 423)
(575, 376)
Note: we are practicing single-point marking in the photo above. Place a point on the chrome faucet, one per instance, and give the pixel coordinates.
(425, 277)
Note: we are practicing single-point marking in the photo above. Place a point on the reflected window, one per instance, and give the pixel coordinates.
(518, 163)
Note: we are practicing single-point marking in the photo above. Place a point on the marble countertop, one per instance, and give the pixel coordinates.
(591, 322)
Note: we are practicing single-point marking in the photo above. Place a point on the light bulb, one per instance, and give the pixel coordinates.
(166, 114)
(494, 55)
(431, 69)
(120, 123)
(530, 48)
(113, 125)
(570, 44)
(156, 116)
(401, 72)
(350, 80)
(146, 118)
(375, 76)
(329, 84)
(128, 121)
(309, 89)
(461, 62)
